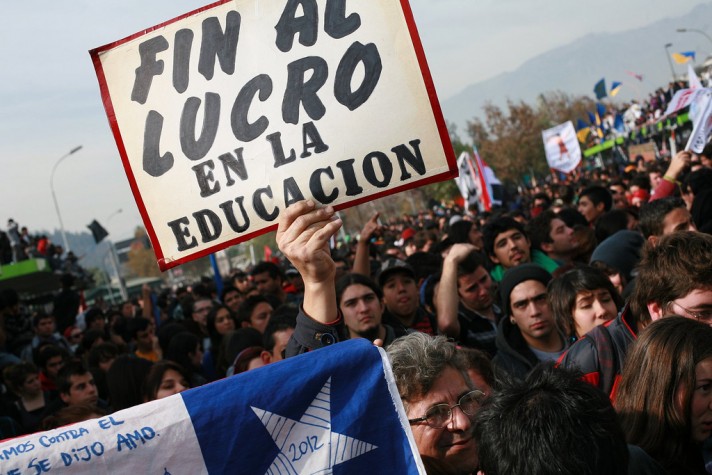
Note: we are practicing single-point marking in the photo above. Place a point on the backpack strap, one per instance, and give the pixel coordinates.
(607, 360)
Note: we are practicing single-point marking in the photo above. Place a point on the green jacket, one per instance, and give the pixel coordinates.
(538, 257)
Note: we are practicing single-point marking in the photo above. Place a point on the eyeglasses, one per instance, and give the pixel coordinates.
(439, 415)
(704, 316)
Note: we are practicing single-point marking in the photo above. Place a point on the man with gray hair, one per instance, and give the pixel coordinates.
(431, 376)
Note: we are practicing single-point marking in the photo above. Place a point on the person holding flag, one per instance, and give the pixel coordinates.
(439, 398)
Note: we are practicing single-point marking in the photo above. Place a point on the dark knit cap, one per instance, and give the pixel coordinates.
(517, 275)
(621, 251)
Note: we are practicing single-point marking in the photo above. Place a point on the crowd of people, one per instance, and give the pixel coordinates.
(568, 335)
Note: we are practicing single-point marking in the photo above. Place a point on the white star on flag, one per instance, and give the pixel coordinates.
(309, 446)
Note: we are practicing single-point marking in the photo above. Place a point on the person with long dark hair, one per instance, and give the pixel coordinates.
(664, 400)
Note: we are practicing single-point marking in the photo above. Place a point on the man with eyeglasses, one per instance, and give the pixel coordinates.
(430, 374)
(527, 335)
(674, 278)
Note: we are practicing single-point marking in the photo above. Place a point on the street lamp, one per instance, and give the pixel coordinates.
(692, 30)
(115, 264)
(667, 53)
(54, 196)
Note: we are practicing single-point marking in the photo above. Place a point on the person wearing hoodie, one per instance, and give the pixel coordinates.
(527, 335)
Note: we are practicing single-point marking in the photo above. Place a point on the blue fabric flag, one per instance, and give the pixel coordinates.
(615, 88)
(600, 112)
(600, 89)
(334, 410)
(580, 124)
(618, 124)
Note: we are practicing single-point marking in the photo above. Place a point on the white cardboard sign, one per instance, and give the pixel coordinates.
(228, 114)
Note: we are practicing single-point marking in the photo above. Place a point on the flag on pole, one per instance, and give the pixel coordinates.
(600, 89)
(98, 231)
(583, 131)
(615, 88)
(683, 57)
(334, 410)
(693, 80)
(562, 148)
(477, 182)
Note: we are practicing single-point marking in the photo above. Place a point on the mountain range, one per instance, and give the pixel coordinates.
(577, 66)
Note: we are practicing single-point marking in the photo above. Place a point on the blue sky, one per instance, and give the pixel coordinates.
(50, 102)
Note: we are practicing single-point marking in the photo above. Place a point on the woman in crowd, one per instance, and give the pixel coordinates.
(32, 402)
(582, 299)
(221, 321)
(665, 397)
(185, 349)
(166, 378)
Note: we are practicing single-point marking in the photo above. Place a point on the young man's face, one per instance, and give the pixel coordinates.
(562, 237)
(511, 248)
(530, 311)
(589, 210)
(362, 310)
(82, 390)
(45, 327)
(400, 293)
(475, 290)
(267, 285)
(201, 308)
(53, 366)
(678, 219)
(259, 318)
(233, 300)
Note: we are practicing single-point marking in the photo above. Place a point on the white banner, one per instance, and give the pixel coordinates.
(701, 115)
(562, 147)
(226, 115)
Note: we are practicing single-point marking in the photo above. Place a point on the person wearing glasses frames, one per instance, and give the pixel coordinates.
(674, 278)
(431, 375)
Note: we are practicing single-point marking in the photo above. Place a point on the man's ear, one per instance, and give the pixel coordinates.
(266, 357)
(245, 324)
(655, 310)
(547, 247)
(494, 259)
(653, 240)
(65, 397)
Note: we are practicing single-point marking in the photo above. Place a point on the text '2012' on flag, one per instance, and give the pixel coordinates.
(334, 410)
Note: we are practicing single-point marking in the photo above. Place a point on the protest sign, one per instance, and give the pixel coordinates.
(562, 147)
(225, 116)
(334, 410)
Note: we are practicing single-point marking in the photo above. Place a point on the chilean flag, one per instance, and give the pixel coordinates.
(329, 411)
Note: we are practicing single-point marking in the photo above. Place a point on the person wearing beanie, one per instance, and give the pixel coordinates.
(527, 335)
(617, 257)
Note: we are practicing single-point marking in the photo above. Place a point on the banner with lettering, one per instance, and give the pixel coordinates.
(561, 145)
(225, 116)
(334, 410)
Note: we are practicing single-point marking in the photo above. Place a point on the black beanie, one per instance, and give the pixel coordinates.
(621, 251)
(517, 275)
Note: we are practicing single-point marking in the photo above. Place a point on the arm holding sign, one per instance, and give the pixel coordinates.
(362, 264)
(303, 236)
